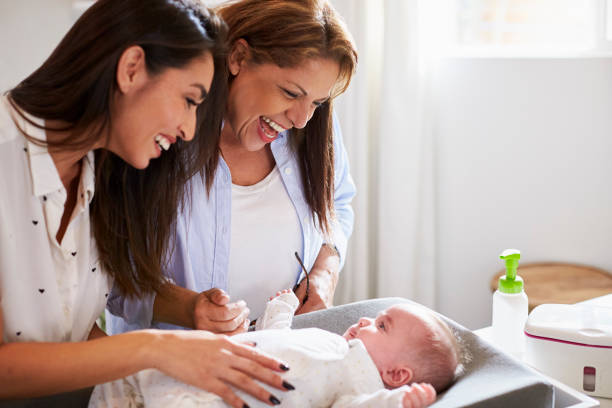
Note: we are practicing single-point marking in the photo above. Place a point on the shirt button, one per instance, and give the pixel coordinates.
(305, 220)
(288, 170)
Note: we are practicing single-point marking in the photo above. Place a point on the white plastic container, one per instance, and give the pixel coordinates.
(508, 322)
(573, 344)
(510, 308)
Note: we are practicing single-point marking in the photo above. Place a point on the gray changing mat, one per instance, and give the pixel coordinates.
(491, 379)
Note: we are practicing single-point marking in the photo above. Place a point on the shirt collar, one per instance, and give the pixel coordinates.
(45, 178)
(88, 176)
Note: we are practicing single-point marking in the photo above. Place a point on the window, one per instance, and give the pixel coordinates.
(526, 26)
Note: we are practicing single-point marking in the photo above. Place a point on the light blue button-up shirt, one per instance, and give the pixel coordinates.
(201, 255)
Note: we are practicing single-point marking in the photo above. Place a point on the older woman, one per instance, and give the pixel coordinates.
(282, 183)
(129, 84)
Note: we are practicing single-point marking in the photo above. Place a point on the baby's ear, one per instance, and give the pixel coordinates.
(397, 376)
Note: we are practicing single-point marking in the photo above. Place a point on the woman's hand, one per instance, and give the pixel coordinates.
(419, 396)
(323, 280)
(320, 294)
(213, 312)
(214, 362)
(209, 310)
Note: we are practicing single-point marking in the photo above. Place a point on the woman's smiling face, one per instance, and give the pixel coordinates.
(266, 99)
(152, 112)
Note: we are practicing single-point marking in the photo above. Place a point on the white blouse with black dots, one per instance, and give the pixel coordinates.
(48, 292)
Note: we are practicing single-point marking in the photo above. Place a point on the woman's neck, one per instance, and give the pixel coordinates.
(246, 167)
(67, 162)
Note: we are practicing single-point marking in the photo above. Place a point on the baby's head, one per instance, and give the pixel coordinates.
(408, 343)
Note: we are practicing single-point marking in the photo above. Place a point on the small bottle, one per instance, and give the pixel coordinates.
(510, 308)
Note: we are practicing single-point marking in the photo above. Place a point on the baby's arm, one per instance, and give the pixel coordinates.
(279, 311)
(407, 396)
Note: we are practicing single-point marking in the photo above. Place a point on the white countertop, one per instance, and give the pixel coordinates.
(603, 301)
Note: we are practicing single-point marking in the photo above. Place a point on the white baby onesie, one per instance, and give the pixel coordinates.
(326, 370)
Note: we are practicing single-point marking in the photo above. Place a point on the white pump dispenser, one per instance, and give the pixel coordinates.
(510, 307)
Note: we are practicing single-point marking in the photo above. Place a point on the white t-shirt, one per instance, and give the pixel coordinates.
(48, 292)
(265, 234)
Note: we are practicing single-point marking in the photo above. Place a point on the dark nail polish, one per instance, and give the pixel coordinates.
(288, 386)
(284, 367)
(245, 406)
(274, 400)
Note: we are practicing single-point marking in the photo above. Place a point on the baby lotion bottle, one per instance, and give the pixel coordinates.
(510, 308)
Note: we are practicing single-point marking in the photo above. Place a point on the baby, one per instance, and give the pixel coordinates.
(382, 362)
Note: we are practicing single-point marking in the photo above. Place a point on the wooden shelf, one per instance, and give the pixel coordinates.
(560, 282)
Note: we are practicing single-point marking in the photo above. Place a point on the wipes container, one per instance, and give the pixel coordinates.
(573, 344)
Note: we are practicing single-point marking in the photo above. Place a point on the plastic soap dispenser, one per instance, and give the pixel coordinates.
(510, 308)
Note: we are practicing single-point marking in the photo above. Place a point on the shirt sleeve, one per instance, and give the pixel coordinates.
(382, 398)
(137, 312)
(134, 313)
(342, 226)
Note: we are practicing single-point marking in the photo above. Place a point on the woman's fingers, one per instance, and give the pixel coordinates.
(244, 327)
(247, 384)
(226, 393)
(247, 365)
(221, 319)
(226, 327)
(258, 357)
(226, 312)
(217, 296)
(215, 363)
(256, 371)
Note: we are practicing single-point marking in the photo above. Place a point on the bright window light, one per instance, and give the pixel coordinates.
(528, 25)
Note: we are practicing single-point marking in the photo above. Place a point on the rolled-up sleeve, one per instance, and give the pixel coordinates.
(345, 190)
(137, 313)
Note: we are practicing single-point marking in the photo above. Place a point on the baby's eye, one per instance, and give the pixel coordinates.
(381, 326)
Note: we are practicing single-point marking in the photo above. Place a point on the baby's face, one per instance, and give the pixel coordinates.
(394, 330)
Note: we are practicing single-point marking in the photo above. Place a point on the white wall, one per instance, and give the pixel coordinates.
(29, 31)
(524, 160)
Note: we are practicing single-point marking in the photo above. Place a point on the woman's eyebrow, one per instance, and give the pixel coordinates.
(322, 100)
(301, 89)
(203, 92)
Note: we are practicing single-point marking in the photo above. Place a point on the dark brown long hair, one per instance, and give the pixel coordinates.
(286, 33)
(134, 211)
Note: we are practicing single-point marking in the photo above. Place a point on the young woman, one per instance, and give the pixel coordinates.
(282, 184)
(109, 112)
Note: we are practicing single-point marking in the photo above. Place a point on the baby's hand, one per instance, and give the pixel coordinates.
(280, 292)
(279, 311)
(419, 396)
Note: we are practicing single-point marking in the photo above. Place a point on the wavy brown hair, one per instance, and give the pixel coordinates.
(133, 211)
(286, 33)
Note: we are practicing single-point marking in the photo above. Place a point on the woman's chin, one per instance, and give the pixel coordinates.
(139, 163)
(254, 145)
